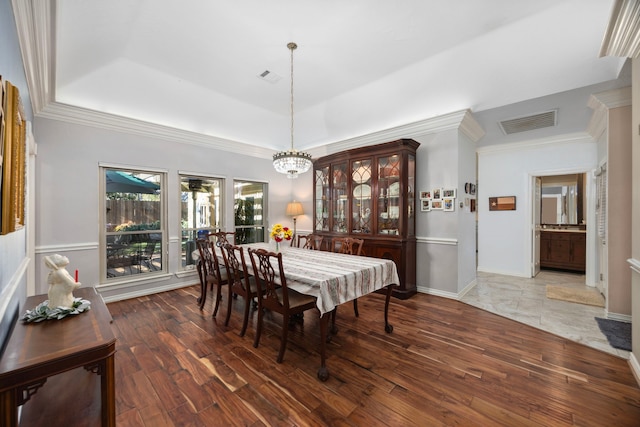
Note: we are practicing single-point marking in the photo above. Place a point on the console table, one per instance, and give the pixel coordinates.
(49, 368)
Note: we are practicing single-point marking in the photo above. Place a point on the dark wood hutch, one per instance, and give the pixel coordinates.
(369, 193)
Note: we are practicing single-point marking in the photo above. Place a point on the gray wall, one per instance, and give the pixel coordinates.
(13, 247)
(68, 195)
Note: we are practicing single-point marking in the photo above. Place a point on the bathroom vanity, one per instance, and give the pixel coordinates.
(563, 248)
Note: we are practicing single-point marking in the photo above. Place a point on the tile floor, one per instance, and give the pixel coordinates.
(524, 300)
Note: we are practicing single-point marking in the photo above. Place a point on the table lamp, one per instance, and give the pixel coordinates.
(294, 209)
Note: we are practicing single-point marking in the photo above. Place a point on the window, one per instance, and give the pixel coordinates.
(249, 207)
(133, 223)
(200, 211)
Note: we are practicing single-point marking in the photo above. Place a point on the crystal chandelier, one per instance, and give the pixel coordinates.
(292, 162)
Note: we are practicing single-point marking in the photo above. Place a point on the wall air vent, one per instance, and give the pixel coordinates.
(269, 76)
(532, 122)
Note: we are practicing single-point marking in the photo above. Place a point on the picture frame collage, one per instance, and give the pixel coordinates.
(444, 199)
(438, 199)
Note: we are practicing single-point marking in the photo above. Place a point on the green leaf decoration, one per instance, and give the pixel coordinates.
(44, 312)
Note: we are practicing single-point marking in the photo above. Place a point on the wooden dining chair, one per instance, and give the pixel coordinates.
(210, 274)
(223, 237)
(350, 246)
(347, 245)
(274, 295)
(241, 282)
(310, 241)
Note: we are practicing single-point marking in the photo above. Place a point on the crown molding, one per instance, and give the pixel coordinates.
(470, 127)
(83, 116)
(462, 119)
(601, 103)
(622, 35)
(569, 138)
(36, 33)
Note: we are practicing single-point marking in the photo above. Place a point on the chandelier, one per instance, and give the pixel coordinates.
(292, 162)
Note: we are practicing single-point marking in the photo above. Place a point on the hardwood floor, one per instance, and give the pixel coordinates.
(446, 363)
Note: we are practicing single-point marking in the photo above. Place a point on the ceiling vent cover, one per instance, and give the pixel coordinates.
(526, 123)
(269, 76)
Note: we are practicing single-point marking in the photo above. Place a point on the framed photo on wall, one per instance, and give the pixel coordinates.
(436, 204)
(436, 194)
(425, 205)
(449, 192)
(449, 204)
(425, 195)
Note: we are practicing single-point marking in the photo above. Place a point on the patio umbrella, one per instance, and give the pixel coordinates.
(123, 182)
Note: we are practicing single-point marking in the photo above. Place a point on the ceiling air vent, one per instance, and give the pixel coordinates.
(269, 76)
(526, 123)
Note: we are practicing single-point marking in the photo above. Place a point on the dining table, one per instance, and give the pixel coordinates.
(333, 279)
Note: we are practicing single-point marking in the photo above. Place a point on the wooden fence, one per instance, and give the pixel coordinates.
(134, 211)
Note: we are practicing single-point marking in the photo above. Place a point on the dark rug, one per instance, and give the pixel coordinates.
(618, 333)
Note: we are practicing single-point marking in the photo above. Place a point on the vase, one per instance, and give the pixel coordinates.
(277, 247)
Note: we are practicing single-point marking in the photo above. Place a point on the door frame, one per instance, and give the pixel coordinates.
(592, 264)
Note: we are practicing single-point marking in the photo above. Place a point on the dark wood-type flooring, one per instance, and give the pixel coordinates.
(446, 363)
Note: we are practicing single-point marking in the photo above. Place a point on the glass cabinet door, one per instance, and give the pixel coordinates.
(389, 201)
(340, 208)
(323, 198)
(411, 196)
(361, 201)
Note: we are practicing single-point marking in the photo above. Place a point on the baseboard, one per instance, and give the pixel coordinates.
(437, 292)
(112, 294)
(451, 295)
(467, 288)
(635, 367)
(619, 317)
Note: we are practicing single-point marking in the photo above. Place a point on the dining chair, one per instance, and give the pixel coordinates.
(347, 245)
(241, 282)
(274, 295)
(350, 246)
(310, 241)
(223, 237)
(211, 274)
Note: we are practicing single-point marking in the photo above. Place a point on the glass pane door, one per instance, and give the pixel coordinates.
(389, 197)
(340, 198)
(361, 200)
(323, 199)
(411, 197)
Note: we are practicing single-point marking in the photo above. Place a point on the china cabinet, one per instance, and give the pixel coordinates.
(369, 193)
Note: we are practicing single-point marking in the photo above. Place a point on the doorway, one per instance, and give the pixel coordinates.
(563, 223)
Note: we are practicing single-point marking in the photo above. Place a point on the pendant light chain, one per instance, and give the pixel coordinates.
(292, 47)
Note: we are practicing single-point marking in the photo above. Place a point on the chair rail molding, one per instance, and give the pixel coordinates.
(47, 249)
(437, 241)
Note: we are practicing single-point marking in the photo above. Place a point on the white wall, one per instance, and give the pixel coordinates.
(466, 218)
(504, 237)
(68, 195)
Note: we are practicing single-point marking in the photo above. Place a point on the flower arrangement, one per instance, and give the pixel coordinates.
(280, 233)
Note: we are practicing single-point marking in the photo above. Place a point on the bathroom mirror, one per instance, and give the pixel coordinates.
(562, 199)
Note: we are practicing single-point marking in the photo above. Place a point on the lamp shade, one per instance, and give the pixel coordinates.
(294, 209)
